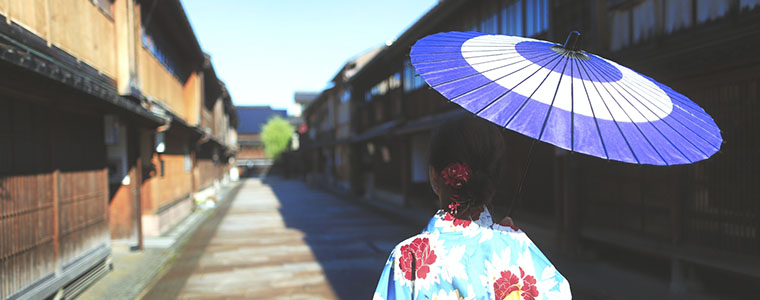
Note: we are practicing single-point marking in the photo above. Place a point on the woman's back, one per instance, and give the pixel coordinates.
(469, 259)
(462, 254)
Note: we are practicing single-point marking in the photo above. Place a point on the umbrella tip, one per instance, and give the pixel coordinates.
(571, 43)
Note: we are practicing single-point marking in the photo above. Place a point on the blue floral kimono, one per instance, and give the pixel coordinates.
(469, 259)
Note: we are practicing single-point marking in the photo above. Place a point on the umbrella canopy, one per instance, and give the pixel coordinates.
(567, 97)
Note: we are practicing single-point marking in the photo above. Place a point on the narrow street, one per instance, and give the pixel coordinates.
(279, 239)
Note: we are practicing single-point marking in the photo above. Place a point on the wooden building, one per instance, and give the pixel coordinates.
(251, 158)
(100, 128)
(327, 138)
(693, 226)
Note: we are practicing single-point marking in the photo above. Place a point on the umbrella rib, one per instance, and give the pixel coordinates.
(460, 40)
(511, 118)
(667, 123)
(468, 64)
(627, 143)
(465, 38)
(509, 90)
(593, 114)
(460, 45)
(679, 121)
(687, 103)
(480, 73)
(572, 108)
(634, 123)
(688, 119)
(642, 114)
(454, 59)
(681, 101)
(690, 104)
(551, 106)
(493, 81)
(460, 51)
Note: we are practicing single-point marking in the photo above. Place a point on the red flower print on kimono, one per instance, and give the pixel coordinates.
(419, 252)
(457, 222)
(509, 286)
(473, 215)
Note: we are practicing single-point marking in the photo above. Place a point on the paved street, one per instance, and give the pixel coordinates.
(278, 239)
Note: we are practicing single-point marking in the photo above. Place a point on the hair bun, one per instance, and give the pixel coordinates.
(478, 189)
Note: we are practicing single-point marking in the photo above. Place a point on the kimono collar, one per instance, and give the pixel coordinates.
(443, 221)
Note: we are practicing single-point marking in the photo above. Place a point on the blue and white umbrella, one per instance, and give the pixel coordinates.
(567, 97)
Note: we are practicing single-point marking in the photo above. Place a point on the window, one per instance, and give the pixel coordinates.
(161, 45)
(633, 25)
(105, 6)
(411, 80)
(490, 24)
(536, 16)
(677, 15)
(748, 4)
(512, 19)
(338, 156)
(643, 21)
(394, 81)
(151, 43)
(620, 29)
(379, 89)
(419, 161)
(711, 9)
(346, 96)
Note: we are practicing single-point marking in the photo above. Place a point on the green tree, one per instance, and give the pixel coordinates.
(276, 135)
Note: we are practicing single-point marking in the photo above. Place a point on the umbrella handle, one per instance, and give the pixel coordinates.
(571, 43)
(518, 195)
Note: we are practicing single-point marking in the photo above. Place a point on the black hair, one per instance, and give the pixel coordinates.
(477, 143)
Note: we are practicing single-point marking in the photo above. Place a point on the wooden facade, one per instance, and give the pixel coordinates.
(86, 88)
(690, 224)
(330, 128)
(54, 192)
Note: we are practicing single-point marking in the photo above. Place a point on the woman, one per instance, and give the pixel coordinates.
(462, 253)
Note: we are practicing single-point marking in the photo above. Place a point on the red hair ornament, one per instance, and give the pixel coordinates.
(455, 175)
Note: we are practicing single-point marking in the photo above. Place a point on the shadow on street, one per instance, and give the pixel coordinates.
(350, 242)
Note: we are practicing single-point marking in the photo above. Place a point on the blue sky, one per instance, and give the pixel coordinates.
(266, 50)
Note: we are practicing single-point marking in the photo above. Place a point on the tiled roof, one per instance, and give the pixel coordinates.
(252, 118)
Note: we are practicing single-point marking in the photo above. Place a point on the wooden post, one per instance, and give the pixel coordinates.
(677, 278)
(137, 186)
(55, 119)
(56, 221)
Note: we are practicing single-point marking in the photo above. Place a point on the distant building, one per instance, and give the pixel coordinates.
(303, 99)
(250, 155)
(328, 131)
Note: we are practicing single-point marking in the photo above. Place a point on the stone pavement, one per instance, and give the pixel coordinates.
(278, 239)
(134, 270)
